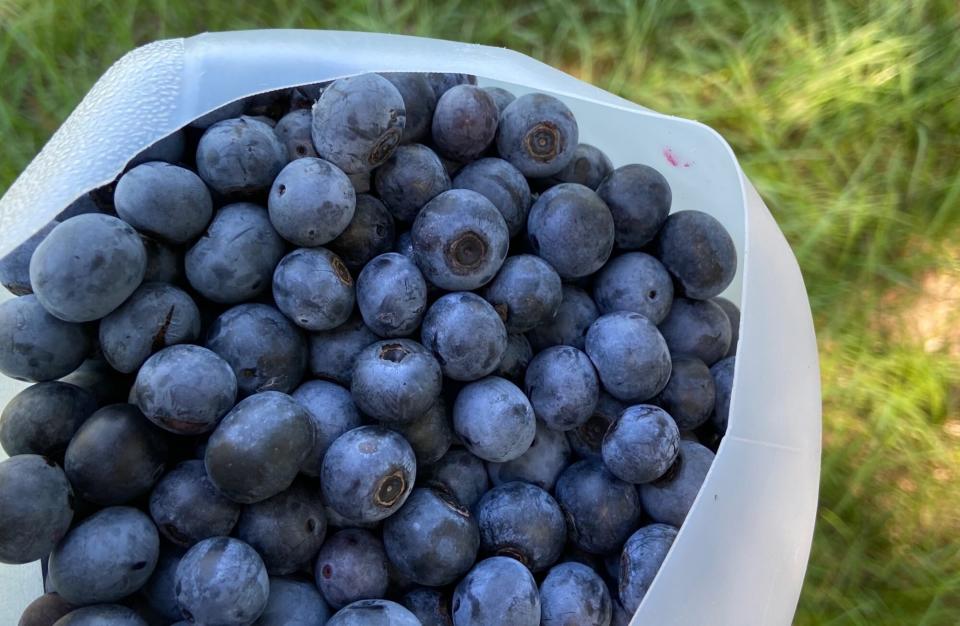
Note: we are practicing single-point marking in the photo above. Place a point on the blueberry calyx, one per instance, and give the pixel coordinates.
(393, 352)
(467, 251)
(543, 142)
(391, 488)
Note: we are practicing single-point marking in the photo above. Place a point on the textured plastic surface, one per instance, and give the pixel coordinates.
(740, 557)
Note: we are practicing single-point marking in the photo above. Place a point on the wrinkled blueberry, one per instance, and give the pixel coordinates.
(164, 200)
(494, 419)
(572, 229)
(572, 593)
(669, 499)
(540, 465)
(503, 185)
(295, 132)
(526, 292)
(630, 355)
(639, 198)
(374, 613)
(601, 510)
(222, 581)
(466, 334)
(733, 314)
(699, 252)
(524, 522)
(722, 373)
(36, 508)
(240, 156)
(314, 288)
(430, 435)
(498, 590)
(370, 233)
(392, 295)
(634, 282)
(641, 445)
(538, 135)
(697, 328)
(563, 387)
(187, 508)
(396, 381)
(419, 102)
(690, 393)
(409, 179)
(294, 602)
(576, 313)
(332, 411)
(643, 554)
(465, 122)
(333, 353)
(587, 438)
(462, 474)
(311, 202)
(515, 358)
(42, 418)
(351, 566)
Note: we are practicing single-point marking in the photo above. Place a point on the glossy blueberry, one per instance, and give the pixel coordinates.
(368, 473)
(430, 606)
(374, 613)
(526, 292)
(494, 419)
(311, 202)
(572, 593)
(722, 374)
(294, 602)
(45, 610)
(586, 439)
(396, 381)
(571, 228)
(498, 590)
(460, 240)
(265, 350)
(524, 522)
(589, 167)
(169, 149)
(538, 135)
(106, 557)
(42, 418)
(164, 200)
(630, 355)
(640, 561)
(370, 233)
(462, 474)
(699, 252)
(433, 539)
(733, 314)
(466, 334)
(286, 530)
(501, 96)
(240, 156)
(419, 102)
(634, 282)
(351, 566)
(443, 82)
(641, 445)
(639, 198)
(563, 387)
(36, 508)
(259, 447)
(515, 359)
(503, 185)
(430, 435)
(409, 179)
(697, 328)
(333, 353)
(332, 411)
(669, 499)
(222, 581)
(392, 295)
(314, 288)
(15, 266)
(295, 132)
(187, 508)
(159, 591)
(576, 313)
(358, 122)
(690, 393)
(465, 122)
(601, 510)
(540, 465)
(115, 456)
(87, 266)
(102, 615)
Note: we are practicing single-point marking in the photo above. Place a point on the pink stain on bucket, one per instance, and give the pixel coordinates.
(673, 159)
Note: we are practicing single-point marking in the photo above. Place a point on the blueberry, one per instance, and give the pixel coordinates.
(234, 260)
(396, 381)
(333, 353)
(669, 499)
(374, 613)
(36, 508)
(538, 134)
(634, 282)
(430, 606)
(524, 522)
(576, 313)
(642, 556)
(259, 447)
(311, 202)
(641, 445)
(332, 411)
(187, 508)
(572, 593)
(87, 266)
(526, 292)
(586, 439)
(466, 334)
(562, 386)
(501, 96)
(368, 473)
(503, 185)
(722, 374)
(392, 295)
(689, 394)
(224, 112)
(699, 252)
(639, 198)
(106, 557)
(441, 83)
(433, 539)
(601, 510)
(370, 233)
(430, 435)
(460, 240)
(286, 530)
(42, 418)
(222, 581)
(266, 351)
(571, 228)
(159, 590)
(295, 132)
(102, 615)
(589, 167)
(358, 122)
(169, 149)
(36, 346)
(115, 456)
(419, 102)
(515, 359)
(465, 122)
(630, 355)
(409, 179)
(164, 200)
(697, 328)
(240, 156)
(45, 610)
(314, 288)
(294, 602)
(540, 465)
(733, 314)
(155, 316)
(462, 474)
(351, 566)
(15, 266)
(494, 419)
(498, 590)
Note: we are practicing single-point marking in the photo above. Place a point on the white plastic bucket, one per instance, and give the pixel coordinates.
(741, 555)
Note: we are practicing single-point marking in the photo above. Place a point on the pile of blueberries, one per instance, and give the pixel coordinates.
(391, 350)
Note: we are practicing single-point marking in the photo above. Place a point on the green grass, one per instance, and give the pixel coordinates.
(846, 116)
